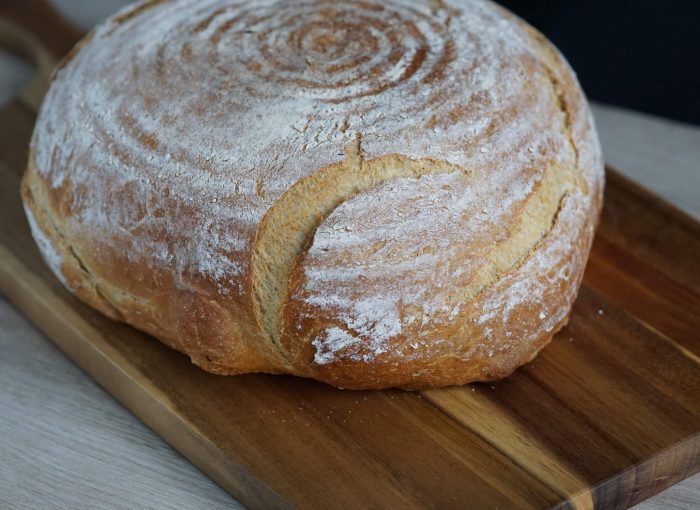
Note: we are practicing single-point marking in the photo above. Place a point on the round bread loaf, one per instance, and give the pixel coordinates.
(370, 193)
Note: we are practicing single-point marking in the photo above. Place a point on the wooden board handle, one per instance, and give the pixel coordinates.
(36, 31)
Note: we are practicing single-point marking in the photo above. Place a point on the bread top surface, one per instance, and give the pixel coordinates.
(339, 177)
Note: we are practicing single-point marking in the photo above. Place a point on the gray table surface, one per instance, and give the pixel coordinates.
(67, 444)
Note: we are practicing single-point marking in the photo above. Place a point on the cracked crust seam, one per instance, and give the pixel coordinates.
(287, 229)
(473, 292)
(561, 104)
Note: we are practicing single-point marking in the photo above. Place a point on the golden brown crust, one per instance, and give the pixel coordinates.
(367, 203)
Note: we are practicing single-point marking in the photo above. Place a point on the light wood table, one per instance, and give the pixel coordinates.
(66, 444)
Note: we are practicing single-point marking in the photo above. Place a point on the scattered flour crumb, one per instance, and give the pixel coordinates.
(334, 340)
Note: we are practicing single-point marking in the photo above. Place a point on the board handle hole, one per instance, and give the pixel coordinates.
(16, 72)
(25, 66)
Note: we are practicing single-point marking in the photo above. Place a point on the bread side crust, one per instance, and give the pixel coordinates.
(258, 330)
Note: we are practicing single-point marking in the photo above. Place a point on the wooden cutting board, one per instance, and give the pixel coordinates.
(606, 416)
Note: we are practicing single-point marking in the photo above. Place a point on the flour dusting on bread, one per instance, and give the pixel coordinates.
(326, 188)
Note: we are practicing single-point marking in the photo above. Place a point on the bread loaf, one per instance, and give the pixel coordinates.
(369, 193)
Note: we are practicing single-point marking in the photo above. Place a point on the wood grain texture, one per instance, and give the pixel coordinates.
(605, 417)
(65, 444)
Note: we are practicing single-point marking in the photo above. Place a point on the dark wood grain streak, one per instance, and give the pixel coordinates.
(654, 231)
(649, 294)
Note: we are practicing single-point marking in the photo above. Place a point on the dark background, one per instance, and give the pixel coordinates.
(635, 54)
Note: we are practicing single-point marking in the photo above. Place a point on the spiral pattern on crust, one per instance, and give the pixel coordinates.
(330, 50)
(215, 108)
